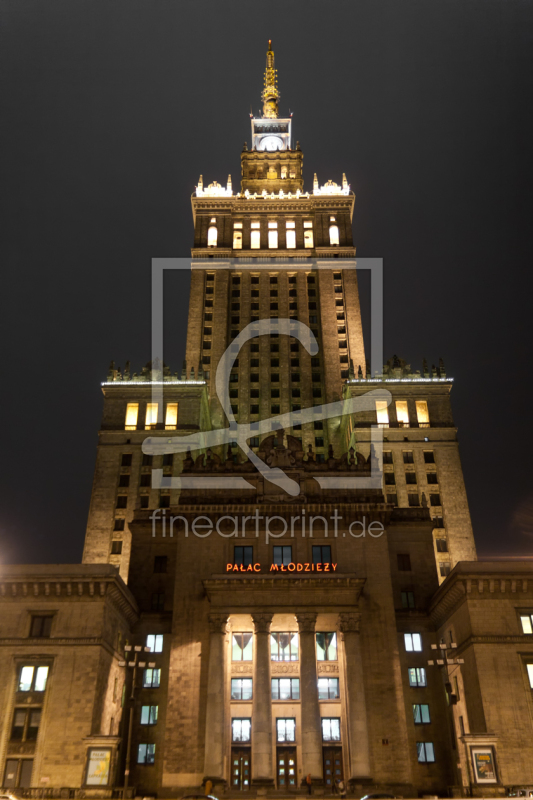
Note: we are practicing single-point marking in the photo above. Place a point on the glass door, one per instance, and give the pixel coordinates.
(286, 767)
(241, 771)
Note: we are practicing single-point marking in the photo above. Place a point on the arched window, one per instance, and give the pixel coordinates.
(212, 234)
(308, 239)
(334, 234)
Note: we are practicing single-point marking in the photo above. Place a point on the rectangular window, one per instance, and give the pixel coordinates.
(417, 676)
(421, 714)
(404, 562)
(408, 457)
(328, 689)
(171, 419)
(146, 754)
(116, 547)
(19, 723)
(243, 556)
(445, 568)
(151, 416)
(413, 500)
(434, 500)
(241, 730)
(282, 554)
(124, 480)
(429, 457)
(526, 621)
(408, 599)
(241, 646)
(272, 238)
(237, 240)
(41, 627)
(151, 678)
(286, 730)
(442, 545)
(402, 414)
(126, 460)
(387, 457)
(285, 688)
(255, 236)
(389, 479)
(160, 564)
(413, 642)
(291, 238)
(422, 414)
(326, 646)
(149, 715)
(132, 413)
(155, 642)
(530, 674)
(284, 646)
(321, 552)
(426, 752)
(33, 679)
(158, 600)
(432, 477)
(241, 688)
(410, 478)
(331, 729)
(382, 413)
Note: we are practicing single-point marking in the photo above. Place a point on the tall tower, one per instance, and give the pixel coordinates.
(252, 259)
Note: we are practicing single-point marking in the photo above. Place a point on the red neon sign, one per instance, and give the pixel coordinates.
(292, 567)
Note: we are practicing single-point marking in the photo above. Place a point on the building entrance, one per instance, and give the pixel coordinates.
(286, 767)
(241, 768)
(333, 770)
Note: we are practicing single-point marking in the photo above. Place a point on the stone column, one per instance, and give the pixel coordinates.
(355, 700)
(214, 717)
(262, 766)
(310, 710)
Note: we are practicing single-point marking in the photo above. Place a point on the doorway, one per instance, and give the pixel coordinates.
(333, 770)
(286, 767)
(241, 770)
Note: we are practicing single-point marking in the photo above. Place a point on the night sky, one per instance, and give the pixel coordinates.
(110, 113)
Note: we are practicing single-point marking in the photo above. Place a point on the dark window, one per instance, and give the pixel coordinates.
(292, 279)
(390, 480)
(254, 279)
(408, 457)
(328, 689)
(164, 501)
(168, 459)
(445, 568)
(434, 500)
(236, 293)
(147, 460)
(408, 599)
(321, 554)
(274, 409)
(254, 377)
(282, 554)
(236, 280)
(442, 545)
(207, 331)
(285, 688)
(254, 393)
(274, 293)
(318, 425)
(432, 477)
(254, 362)
(274, 393)
(254, 441)
(126, 459)
(116, 547)
(315, 362)
(243, 556)
(387, 457)
(122, 501)
(429, 456)
(413, 500)
(273, 280)
(319, 441)
(274, 348)
(295, 393)
(273, 306)
(274, 377)
(158, 601)
(160, 563)
(119, 525)
(144, 501)
(146, 480)
(404, 562)
(235, 320)
(41, 627)
(410, 478)
(208, 317)
(207, 345)
(254, 347)
(393, 498)
(274, 362)
(310, 279)
(312, 305)
(19, 724)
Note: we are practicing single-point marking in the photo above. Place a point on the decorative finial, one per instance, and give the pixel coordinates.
(315, 182)
(228, 185)
(270, 94)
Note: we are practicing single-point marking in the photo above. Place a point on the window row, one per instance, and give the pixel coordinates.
(285, 689)
(389, 478)
(284, 646)
(281, 555)
(414, 501)
(408, 457)
(272, 234)
(402, 413)
(241, 729)
(151, 417)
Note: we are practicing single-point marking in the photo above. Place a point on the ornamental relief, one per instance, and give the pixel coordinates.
(241, 669)
(328, 668)
(284, 669)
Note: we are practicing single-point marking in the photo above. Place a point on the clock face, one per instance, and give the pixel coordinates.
(271, 143)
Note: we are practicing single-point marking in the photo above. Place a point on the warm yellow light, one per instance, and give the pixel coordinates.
(422, 413)
(402, 414)
(291, 238)
(382, 413)
(132, 413)
(171, 419)
(333, 234)
(151, 415)
(255, 239)
(237, 240)
(272, 238)
(308, 239)
(212, 234)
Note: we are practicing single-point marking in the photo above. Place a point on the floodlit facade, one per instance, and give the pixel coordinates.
(251, 621)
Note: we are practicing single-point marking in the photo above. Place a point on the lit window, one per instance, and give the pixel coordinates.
(331, 729)
(421, 714)
(151, 415)
(308, 239)
(149, 715)
(284, 172)
(237, 240)
(291, 237)
(241, 649)
(285, 730)
(413, 642)
(285, 688)
(171, 419)
(530, 674)
(334, 234)
(402, 413)
(527, 623)
(272, 234)
(426, 752)
(382, 413)
(212, 235)
(326, 646)
(417, 676)
(33, 679)
(132, 412)
(255, 236)
(241, 730)
(151, 678)
(146, 754)
(422, 414)
(284, 646)
(241, 688)
(328, 688)
(155, 642)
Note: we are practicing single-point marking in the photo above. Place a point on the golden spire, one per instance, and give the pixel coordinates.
(270, 94)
